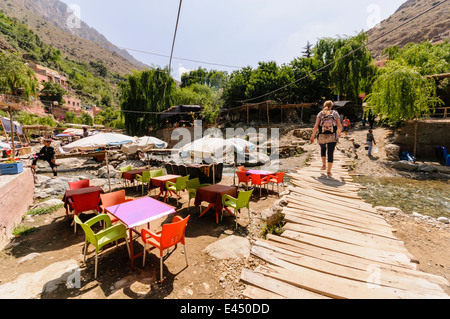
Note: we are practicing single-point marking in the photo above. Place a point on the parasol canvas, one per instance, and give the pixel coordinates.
(207, 147)
(144, 144)
(99, 140)
(241, 146)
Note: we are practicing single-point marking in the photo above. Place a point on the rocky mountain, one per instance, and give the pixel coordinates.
(52, 21)
(433, 25)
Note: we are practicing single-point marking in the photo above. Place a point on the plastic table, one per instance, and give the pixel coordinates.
(85, 190)
(213, 195)
(139, 212)
(160, 182)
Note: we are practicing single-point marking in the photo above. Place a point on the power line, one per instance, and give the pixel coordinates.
(345, 55)
(171, 52)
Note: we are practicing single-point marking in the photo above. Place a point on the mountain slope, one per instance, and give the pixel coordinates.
(433, 26)
(48, 18)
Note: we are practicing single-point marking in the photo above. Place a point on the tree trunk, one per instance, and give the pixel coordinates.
(415, 140)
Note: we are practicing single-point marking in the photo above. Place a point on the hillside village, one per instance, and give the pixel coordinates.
(70, 88)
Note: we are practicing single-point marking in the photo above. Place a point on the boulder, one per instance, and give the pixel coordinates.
(230, 247)
(103, 172)
(392, 152)
(405, 165)
(426, 168)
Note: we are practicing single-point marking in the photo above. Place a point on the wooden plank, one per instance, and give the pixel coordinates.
(253, 292)
(331, 213)
(349, 260)
(336, 199)
(386, 279)
(354, 250)
(339, 211)
(304, 216)
(277, 287)
(337, 287)
(349, 236)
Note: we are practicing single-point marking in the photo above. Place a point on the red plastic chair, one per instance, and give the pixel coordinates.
(277, 179)
(170, 235)
(241, 169)
(79, 184)
(83, 203)
(111, 199)
(260, 181)
(243, 178)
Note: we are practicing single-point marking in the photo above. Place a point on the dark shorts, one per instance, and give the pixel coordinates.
(346, 128)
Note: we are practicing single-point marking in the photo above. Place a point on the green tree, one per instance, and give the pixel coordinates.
(142, 96)
(236, 87)
(52, 91)
(400, 94)
(212, 78)
(16, 77)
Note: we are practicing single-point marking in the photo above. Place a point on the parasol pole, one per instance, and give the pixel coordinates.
(234, 168)
(107, 168)
(12, 133)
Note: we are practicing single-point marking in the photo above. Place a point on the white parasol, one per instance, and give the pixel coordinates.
(100, 140)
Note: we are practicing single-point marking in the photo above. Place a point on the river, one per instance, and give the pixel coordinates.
(426, 197)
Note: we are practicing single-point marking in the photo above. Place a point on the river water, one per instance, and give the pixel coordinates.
(426, 197)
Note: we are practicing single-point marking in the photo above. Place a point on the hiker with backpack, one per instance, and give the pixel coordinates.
(328, 126)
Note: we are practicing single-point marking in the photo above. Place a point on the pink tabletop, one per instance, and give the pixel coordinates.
(140, 211)
(257, 172)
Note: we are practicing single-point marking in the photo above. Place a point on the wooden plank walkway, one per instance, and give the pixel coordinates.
(335, 245)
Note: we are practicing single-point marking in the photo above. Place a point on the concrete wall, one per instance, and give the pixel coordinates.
(16, 195)
(430, 133)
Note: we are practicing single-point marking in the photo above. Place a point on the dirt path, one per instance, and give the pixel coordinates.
(206, 277)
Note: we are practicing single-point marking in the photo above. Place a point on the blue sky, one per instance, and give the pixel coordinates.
(232, 33)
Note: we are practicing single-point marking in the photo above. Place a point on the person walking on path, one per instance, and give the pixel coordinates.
(329, 127)
(47, 153)
(370, 142)
(346, 125)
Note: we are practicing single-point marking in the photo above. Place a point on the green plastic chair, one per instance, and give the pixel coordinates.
(179, 185)
(105, 236)
(156, 173)
(143, 179)
(191, 186)
(242, 201)
(125, 169)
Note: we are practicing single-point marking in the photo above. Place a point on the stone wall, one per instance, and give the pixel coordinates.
(16, 195)
(430, 133)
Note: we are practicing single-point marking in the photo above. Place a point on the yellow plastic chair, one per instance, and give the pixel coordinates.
(125, 169)
(178, 186)
(242, 201)
(105, 236)
(143, 179)
(155, 173)
(191, 186)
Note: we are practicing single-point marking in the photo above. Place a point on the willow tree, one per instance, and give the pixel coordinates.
(142, 96)
(16, 77)
(400, 93)
(354, 69)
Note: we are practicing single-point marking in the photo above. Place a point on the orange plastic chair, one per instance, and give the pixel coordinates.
(83, 203)
(241, 169)
(277, 179)
(111, 199)
(260, 181)
(170, 235)
(243, 178)
(79, 184)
